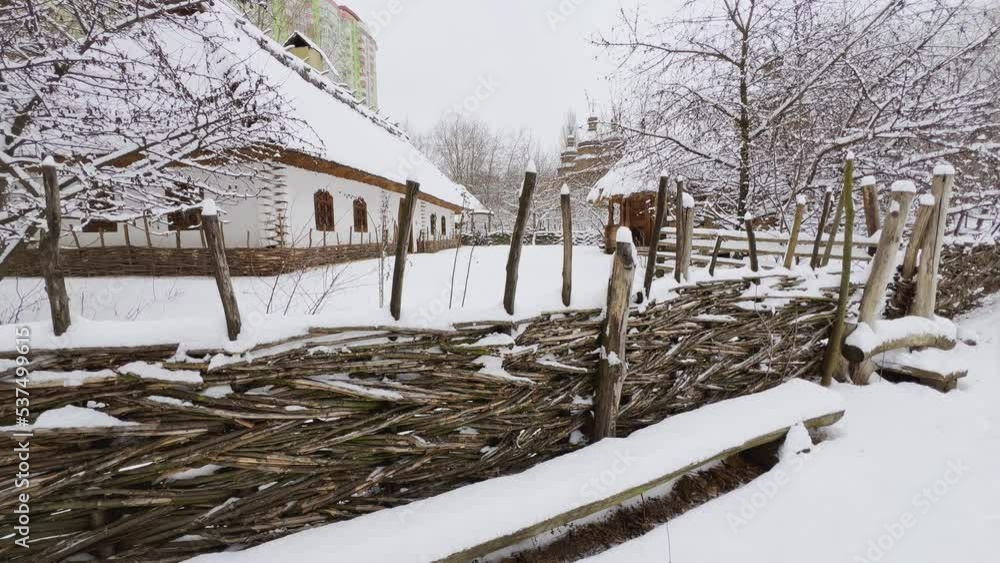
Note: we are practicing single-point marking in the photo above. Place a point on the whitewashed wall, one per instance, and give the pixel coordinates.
(244, 219)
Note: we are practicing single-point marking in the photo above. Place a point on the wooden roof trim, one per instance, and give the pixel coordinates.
(322, 166)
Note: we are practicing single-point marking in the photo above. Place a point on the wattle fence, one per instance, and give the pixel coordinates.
(344, 422)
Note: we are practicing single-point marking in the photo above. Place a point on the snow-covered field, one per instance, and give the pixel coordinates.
(171, 310)
(909, 475)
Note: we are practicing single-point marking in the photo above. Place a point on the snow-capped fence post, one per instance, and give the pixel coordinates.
(661, 211)
(834, 361)
(517, 237)
(925, 212)
(925, 300)
(685, 249)
(793, 239)
(751, 242)
(567, 228)
(611, 368)
(211, 227)
(715, 255)
(884, 265)
(403, 242)
(55, 283)
(823, 217)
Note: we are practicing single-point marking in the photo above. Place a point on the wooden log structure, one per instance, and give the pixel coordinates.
(213, 239)
(661, 211)
(793, 239)
(925, 300)
(832, 363)
(857, 355)
(55, 282)
(567, 228)
(611, 369)
(517, 237)
(405, 222)
(824, 216)
(883, 266)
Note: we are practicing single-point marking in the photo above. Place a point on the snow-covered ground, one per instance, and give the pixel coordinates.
(171, 310)
(909, 475)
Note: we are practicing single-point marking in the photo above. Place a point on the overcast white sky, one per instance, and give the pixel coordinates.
(434, 53)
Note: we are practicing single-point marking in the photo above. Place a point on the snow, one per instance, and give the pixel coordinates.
(77, 417)
(151, 311)
(801, 200)
(194, 473)
(850, 155)
(868, 181)
(564, 190)
(894, 208)
(532, 168)
(944, 169)
(494, 339)
(156, 371)
(748, 216)
(867, 338)
(209, 208)
(493, 367)
(687, 200)
(74, 378)
(49, 161)
(926, 200)
(218, 391)
(796, 442)
(432, 529)
(908, 476)
(624, 234)
(904, 186)
(624, 178)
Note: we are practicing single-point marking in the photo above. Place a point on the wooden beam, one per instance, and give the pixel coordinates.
(211, 227)
(833, 361)
(679, 228)
(661, 211)
(516, 239)
(524, 534)
(611, 368)
(824, 216)
(403, 238)
(835, 227)
(751, 243)
(918, 340)
(925, 300)
(793, 239)
(567, 228)
(51, 263)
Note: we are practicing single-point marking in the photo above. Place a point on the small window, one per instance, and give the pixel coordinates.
(185, 219)
(444, 227)
(360, 216)
(434, 227)
(323, 209)
(100, 200)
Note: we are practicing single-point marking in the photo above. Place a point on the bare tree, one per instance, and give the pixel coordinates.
(755, 101)
(142, 102)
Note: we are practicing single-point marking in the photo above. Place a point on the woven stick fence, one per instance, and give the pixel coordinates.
(349, 421)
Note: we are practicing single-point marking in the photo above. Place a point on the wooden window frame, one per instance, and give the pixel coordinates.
(434, 227)
(360, 207)
(444, 226)
(323, 211)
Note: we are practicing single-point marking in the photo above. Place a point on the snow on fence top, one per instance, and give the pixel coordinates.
(328, 122)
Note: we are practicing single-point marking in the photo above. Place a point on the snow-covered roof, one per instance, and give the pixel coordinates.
(624, 178)
(340, 129)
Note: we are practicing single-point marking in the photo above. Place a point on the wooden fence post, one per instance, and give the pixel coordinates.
(925, 301)
(793, 240)
(715, 255)
(869, 198)
(678, 227)
(403, 240)
(55, 283)
(925, 212)
(654, 244)
(824, 216)
(883, 265)
(835, 227)
(833, 360)
(611, 368)
(210, 226)
(751, 242)
(685, 249)
(514, 258)
(567, 227)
